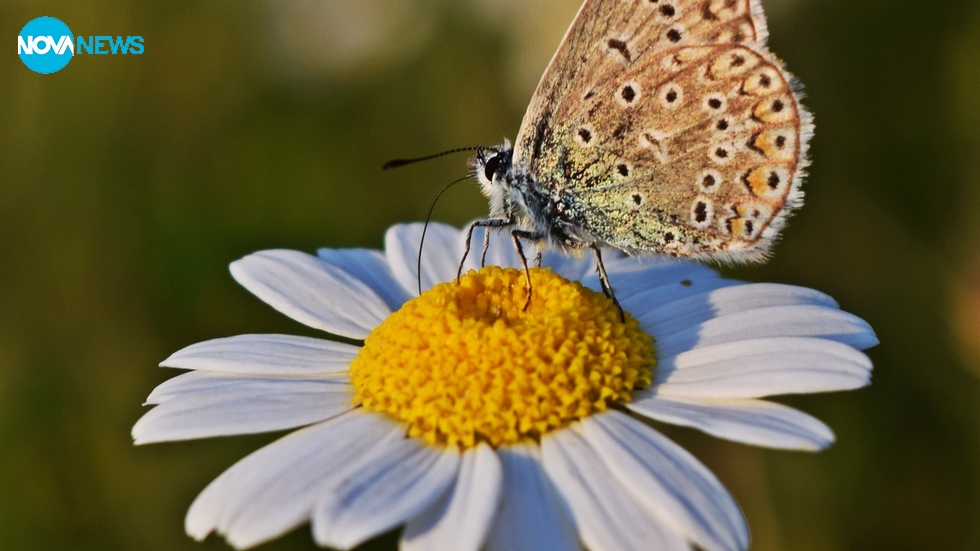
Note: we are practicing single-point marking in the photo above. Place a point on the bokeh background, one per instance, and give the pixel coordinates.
(128, 183)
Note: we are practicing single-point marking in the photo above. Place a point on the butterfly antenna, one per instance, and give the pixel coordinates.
(418, 266)
(395, 163)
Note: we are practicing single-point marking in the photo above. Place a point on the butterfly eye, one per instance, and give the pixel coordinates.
(490, 168)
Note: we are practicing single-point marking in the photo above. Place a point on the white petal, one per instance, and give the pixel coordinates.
(265, 355)
(440, 256)
(208, 384)
(274, 489)
(675, 316)
(570, 266)
(312, 292)
(652, 298)
(532, 515)
(372, 268)
(668, 481)
(753, 368)
(630, 276)
(461, 520)
(390, 486)
(774, 321)
(203, 404)
(749, 421)
(607, 516)
(501, 252)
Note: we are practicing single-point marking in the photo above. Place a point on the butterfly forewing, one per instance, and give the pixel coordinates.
(667, 126)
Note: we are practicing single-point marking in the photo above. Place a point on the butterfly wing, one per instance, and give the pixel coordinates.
(667, 126)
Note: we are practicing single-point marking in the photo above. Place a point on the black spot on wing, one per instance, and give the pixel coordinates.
(628, 94)
(619, 46)
(701, 211)
(706, 12)
(773, 180)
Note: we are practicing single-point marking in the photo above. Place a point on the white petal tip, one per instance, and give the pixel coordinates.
(812, 446)
(199, 537)
(239, 543)
(137, 433)
(197, 530)
(339, 544)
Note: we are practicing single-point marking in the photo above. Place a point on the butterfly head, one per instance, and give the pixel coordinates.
(490, 167)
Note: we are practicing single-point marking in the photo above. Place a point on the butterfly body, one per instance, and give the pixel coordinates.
(660, 127)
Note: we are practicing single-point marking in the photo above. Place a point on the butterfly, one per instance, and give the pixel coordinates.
(660, 126)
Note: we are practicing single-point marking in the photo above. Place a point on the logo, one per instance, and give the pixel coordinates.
(46, 45)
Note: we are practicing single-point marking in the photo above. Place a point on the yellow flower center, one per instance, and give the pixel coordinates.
(465, 363)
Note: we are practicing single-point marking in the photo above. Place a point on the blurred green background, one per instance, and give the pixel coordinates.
(128, 183)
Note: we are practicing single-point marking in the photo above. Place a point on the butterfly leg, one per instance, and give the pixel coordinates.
(486, 247)
(604, 281)
(517, 235)
(485, 223)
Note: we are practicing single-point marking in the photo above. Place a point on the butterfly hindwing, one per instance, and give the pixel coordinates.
(668, 126)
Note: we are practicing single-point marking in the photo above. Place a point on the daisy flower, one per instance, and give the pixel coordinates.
(477, 424)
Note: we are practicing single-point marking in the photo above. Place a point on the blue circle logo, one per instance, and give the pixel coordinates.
(45, 45)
